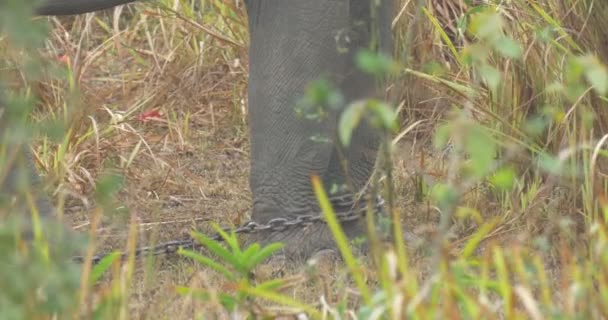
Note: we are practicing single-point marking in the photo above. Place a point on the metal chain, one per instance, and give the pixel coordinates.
(250, 227)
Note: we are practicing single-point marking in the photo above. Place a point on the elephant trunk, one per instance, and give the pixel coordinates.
(70, 7)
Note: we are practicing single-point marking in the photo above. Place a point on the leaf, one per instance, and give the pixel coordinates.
(382, 115)
(503, 179)
(103, 265)
(591, 69)
(508, 48)
(216, 249)
(434, 68)
(595, 74)
(208, 262)
(486, 25)
(249, 252)
(272, 284)
(320, 94)
(491, 76)
(551, 164)
(264, 253)
(230, 239)
(536, 125)
(349, 120)
(374, 63)
(150, 115)
(226, 300)
(281, 299)
(481, 148)
(444, 195)
(385, 113)
(442, 135)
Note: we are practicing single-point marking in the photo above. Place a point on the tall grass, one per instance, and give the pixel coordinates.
(504, 107)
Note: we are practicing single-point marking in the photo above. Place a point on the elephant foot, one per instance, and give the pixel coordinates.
(303, 241)
(309, 241)
(300, 243)
(37, 223)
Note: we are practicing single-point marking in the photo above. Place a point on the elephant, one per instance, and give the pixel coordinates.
(293, 43)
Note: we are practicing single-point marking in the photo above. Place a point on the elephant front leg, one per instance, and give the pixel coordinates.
(294, 43)
(353, 164)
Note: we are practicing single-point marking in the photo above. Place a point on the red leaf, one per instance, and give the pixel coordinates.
(63, 58)
(149, 115)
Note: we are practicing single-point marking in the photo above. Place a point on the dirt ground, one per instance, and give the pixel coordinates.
(183, 181)
(175, 126)
(188, 173)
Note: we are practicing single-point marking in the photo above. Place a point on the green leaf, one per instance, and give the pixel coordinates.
(444, 195)
(503, 179)
(216, 249)
(250, 251)
(227, 301)
(536, 125)
(385, 113)
(508, 48)
(551, 164)
(103, 265)
(582, 71)
(319, 96)
(230, 239)
(382, 116)
(481, 149)
(595, 74)
(491, 76)
(442, 135)
(208, 262)
(349, 120)
(434, 68)
(486, 25)
(264, 253)
(271, 285)
(374, 63)
(272, 296)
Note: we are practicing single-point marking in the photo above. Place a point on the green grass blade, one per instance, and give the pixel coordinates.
(216, 248)
(282, 300)
(100, 268)
(340, 237)
(443, 34)
(208, 262)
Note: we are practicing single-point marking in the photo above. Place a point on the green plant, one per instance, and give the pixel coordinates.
(236, 266)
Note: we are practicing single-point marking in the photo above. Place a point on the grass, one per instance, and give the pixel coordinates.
(499, 164)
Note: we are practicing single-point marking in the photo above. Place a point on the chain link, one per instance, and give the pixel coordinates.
(250, 227)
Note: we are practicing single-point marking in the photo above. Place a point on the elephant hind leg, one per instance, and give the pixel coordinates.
(21, 179)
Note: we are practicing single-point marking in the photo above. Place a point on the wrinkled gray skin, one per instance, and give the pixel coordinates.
(294, 42)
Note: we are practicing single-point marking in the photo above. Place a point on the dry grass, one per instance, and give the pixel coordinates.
(163, 102)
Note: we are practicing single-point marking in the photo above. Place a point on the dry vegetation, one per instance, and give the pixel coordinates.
(162, 102)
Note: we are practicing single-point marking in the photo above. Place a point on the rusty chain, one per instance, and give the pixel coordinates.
(250, 227)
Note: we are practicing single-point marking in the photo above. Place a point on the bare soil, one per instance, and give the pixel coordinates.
(175, 125)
